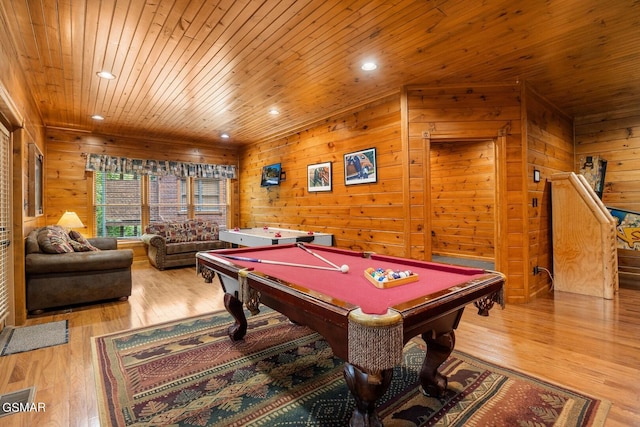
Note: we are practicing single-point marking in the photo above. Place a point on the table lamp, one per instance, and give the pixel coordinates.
(70, 220)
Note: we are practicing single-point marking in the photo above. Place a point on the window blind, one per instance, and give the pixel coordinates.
(5, 223)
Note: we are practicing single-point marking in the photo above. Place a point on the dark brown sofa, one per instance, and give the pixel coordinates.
(175, 243)
(94, 271)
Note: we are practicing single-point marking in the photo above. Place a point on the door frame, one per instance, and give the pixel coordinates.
(500, 173)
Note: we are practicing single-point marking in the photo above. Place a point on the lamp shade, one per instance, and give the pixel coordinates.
(70, 220)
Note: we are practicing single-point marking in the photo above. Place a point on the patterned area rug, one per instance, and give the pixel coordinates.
(189, 373)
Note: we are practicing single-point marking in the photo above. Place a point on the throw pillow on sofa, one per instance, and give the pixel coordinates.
(79, 243)
(54, 240)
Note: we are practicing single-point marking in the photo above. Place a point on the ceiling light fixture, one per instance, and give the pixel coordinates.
(274, 112)
(369, 66)
(97, 117)
(224, 136)
(106, 75)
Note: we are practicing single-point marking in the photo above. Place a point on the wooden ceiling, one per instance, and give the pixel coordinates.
(190, 70)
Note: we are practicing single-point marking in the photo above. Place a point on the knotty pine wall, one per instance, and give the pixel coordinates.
(463, 183)
(19, 114)
(363, 216)
(549, 150)
(615, 137)
(411, 132)
(67, 182)
(490, 114)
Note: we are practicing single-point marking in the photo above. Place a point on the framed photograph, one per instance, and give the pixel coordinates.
(360, 167)
(319, 177)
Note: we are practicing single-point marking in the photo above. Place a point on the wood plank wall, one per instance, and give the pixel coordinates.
(395, 215)
(19, 113)
(615, 137)
(363, 216)
(472, 113)
(550, 150)
(66, 180)
(463, 184)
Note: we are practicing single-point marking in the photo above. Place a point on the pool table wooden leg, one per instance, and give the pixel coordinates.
(366, 390)
(438, 350)
(238, 330)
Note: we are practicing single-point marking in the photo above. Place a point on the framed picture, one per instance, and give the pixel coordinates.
(360, 167)
(319, 177)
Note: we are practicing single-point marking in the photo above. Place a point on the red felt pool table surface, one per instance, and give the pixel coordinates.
(435, 280)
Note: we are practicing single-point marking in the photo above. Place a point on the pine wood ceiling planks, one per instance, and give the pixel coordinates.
(189, 70)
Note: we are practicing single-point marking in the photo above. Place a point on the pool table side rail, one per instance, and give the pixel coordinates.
(416, 315)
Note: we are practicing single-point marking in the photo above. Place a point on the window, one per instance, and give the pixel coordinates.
(125, 203)
(118, 211)
(206, 195)
(166, 199)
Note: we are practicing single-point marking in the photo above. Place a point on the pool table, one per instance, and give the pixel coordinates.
(366, 325)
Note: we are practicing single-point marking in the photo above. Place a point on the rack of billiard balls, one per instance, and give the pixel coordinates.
(387, 277)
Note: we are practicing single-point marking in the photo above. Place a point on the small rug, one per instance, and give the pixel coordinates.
(27, 338)
(189, 373)
(15, 401)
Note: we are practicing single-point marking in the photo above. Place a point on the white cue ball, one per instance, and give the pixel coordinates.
(344, 268)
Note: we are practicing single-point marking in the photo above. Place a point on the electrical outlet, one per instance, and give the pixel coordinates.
(536, 270)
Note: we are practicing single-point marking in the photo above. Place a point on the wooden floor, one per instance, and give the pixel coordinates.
(585, 343)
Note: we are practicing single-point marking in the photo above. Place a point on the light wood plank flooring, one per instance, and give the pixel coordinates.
(586, 343)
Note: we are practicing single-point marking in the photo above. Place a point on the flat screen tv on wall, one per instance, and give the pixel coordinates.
(271, 175)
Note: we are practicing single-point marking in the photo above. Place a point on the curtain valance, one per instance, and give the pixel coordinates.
(114, 164)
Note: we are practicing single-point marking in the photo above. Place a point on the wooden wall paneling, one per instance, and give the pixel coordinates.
(22, 138)
(463, 189)
(613, 136)
(20, 114)
(492, 112)
(550, 150)
(628, 269)
(526, 201)
(369, 216)
(612, 126)
(513, 251)
(17, 286)
(418, 192)
(502, 211)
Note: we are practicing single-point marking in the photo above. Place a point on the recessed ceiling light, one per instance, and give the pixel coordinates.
(106, 75)
(274, 112)
(224, 136)
(97, 117)
(369, 66)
